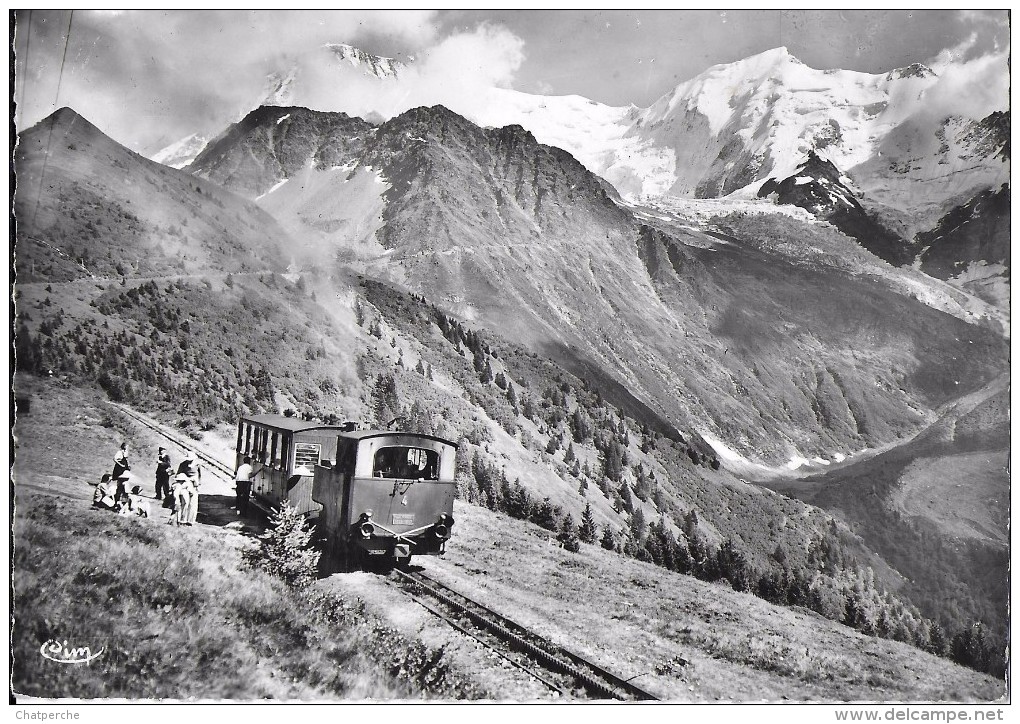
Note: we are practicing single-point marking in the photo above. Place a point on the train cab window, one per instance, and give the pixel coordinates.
(407, 463)
(307, 454)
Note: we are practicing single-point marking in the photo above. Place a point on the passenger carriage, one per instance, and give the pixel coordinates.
(284, 452)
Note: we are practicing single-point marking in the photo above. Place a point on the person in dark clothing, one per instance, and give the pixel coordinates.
(120, 462)
(163, 469)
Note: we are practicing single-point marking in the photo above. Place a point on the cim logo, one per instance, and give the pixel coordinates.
(62, 654)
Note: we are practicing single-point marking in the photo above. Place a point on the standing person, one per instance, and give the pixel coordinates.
(242, 484)
(191, 470)
(120, 465)
(182, 500)
(163, 470)
(122, 484)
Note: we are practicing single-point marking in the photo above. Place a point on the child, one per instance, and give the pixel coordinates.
(139, 505)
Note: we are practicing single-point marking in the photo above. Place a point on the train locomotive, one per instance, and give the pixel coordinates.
(389, 496)
(378, 497)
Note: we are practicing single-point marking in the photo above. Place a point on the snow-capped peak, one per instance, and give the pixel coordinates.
(368, 63)
(181, 153)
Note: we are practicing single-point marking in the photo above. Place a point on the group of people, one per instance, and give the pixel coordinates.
(179, 495)
(112, 491)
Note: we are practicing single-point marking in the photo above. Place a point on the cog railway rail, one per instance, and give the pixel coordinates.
(216, 467)
(559, 669)
(554, 666)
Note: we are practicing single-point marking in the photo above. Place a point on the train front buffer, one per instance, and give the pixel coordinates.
(400, 518)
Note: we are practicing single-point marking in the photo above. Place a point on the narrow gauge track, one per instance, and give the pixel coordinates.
(215, 466)
(560, 670)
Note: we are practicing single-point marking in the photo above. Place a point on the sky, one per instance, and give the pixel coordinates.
(148, 78)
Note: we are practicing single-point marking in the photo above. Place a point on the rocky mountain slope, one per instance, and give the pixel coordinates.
(781, 360)
(945, 492)
(907, 154)
(298, 81)
(971, 246)
(820, 188)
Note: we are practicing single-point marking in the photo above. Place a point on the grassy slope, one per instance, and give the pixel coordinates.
(707, 641)
(688, 639)
(177, 614)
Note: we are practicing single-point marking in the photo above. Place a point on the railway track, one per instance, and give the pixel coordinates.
(557, 668)
(212, 464)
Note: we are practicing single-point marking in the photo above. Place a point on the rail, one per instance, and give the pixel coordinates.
(552, 665)
(576, 673)
(214, 465)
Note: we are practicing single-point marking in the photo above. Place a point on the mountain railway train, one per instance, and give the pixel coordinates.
(378, 496)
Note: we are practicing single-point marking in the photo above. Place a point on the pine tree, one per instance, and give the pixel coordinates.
(638, 526)
(615, 461)
(625, 497)
(545, 515)
(285, 550)
(568, 534)
(588, 529)
(608, 540)
(937, 643)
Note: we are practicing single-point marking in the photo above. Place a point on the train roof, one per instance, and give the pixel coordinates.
(360, 435)
(290, 424)
(296, 424)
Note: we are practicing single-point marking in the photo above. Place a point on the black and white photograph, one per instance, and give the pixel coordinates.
(510, 356)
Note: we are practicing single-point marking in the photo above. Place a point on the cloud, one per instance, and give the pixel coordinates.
(148, 75)
(972, 88)
(969, 84)
(149, 78)
(456, 72)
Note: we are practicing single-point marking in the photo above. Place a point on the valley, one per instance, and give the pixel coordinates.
(733, 369)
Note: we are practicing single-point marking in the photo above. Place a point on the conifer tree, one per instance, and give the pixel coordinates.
(937, 643)
(568, 534)
(638, 526)
(608, 540)
(588, 529)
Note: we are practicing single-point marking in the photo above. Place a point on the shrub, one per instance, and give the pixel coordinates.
(285, 550)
